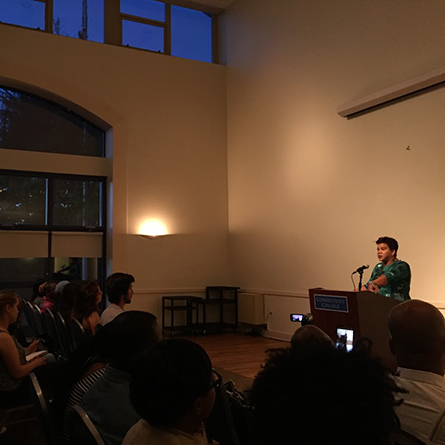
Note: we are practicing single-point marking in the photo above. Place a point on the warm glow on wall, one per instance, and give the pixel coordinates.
(152, 227)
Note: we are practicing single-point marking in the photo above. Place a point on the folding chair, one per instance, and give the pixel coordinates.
(51, 332)
(81, 429)
(63, 334)
(44, 409)
(29, 315)
(78, 333)
(38, 320)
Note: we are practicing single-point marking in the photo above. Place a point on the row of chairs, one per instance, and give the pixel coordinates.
(51, 328)
(61, 339)
(81, 429)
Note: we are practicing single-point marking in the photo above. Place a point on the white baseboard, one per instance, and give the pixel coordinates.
(275, 335)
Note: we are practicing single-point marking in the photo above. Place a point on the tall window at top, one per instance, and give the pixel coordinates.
(28, 122)
(82, 19)
(168, 29)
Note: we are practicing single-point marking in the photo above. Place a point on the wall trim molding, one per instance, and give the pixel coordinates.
(183, 290)
(179, 290)
(275, 293)
(276, 335)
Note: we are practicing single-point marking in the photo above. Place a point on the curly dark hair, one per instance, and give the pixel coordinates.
(323, 396)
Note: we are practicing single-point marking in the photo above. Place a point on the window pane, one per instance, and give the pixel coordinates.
(28, 122)
(82, 19)
(77, 203)
(29, 13)
(75, 269)
(191, 34)
(139, 35)
(22, 200)
(148, 9)
(21, 273)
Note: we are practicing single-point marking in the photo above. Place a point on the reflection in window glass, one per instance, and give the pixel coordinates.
(148, 9)
(27, 13)
(28, 122)
(191, 36)
(77, 203)
(20, 274)
(79, 19)
(75, 269)
(22, 200)
(139, 35)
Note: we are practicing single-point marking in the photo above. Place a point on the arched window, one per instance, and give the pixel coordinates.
(29, 122)
(52, 225)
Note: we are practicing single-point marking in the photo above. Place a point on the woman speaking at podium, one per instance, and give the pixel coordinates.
(391, 277)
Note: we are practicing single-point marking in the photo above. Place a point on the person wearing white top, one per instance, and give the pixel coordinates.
(417, 339)
(119, 289)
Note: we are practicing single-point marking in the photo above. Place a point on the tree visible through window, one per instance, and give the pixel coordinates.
(28, 122)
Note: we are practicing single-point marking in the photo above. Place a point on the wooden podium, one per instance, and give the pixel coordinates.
(365, 313)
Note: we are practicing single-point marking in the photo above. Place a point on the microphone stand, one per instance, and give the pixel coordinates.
(360, 281)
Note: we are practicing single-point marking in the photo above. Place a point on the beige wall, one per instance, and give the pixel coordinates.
(310, 191)
(168, 134)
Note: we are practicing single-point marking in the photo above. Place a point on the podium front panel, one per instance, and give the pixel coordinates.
(334, 309)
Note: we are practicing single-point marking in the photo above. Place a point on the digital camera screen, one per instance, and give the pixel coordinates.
(296, 317)
(345, 339)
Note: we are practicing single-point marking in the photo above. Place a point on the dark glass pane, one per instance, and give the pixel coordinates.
(191, 34)
(75, 269)
(20, 274)
(148, 9)
(30, 123)
(82, 19)
(139, 35)
(27, 13)
(77, 203)
(22, 200)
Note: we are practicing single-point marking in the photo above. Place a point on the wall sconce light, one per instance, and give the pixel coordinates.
(152, 228)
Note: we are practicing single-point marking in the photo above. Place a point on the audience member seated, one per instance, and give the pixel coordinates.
(86, 309)
(59, 292)
(65, 303)
(312, 337)
(119, 290)
(87, 365)
(322, 396)
(417, 339)
(107, 403)
(38, 292)
(50, 296)
(13, 364)
(172, 389)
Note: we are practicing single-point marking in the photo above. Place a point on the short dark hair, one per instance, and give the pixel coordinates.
(117, 284)
(323, 396)
(128, 335)
(168, 379)
(390, 242)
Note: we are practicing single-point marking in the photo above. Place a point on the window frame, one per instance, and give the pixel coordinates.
(51, 228)
(166, 25)
(113, 18)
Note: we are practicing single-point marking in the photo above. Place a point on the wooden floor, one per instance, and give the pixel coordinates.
(240, 354)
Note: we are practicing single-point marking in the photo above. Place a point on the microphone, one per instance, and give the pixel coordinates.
(361, 269)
